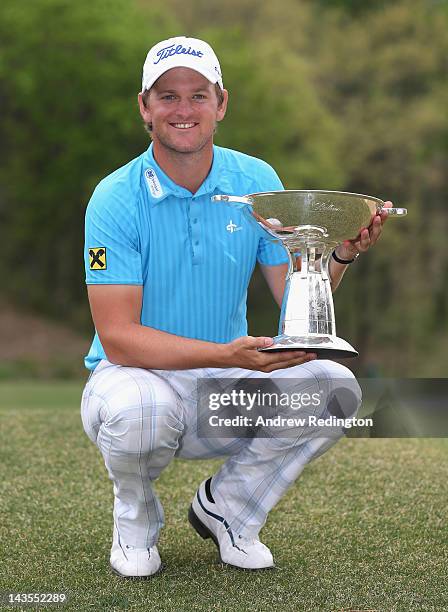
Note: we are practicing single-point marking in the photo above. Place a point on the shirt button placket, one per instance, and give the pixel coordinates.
(195, 226)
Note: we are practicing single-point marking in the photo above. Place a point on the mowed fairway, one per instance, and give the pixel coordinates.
(365, 528)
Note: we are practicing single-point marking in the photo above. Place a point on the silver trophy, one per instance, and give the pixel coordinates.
(310, 224)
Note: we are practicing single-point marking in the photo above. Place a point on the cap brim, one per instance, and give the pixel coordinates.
(213, 78)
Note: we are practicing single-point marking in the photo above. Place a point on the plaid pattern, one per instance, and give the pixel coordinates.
(141, 419)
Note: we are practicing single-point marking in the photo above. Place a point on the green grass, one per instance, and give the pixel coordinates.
(365, 528)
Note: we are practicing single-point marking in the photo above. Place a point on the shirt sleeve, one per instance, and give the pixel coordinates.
(111, 252)
(270, 251)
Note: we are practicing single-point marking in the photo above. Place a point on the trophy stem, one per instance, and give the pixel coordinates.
(308, 323)
(314, 312)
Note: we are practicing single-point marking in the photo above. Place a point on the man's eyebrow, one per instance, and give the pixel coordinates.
(162, 91)
(173, 91)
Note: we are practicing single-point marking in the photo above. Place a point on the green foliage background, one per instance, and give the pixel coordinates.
(335, 95)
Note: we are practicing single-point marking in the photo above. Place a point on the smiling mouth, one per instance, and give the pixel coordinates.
(183, 126)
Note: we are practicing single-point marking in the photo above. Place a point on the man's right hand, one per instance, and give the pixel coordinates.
(243, 353)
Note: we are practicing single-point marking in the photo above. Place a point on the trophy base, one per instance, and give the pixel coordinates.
(325, 346)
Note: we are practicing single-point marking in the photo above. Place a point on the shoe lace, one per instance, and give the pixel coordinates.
(129, 547)
(247, 541)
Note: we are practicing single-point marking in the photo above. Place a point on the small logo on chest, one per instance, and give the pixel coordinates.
(153, 183)
(232, 227)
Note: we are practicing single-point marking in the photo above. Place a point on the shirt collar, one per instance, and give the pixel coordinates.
(161, 186)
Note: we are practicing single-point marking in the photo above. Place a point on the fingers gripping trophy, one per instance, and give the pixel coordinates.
(312, 224)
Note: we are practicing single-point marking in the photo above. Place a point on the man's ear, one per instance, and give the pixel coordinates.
(223, 107)
(144, 110)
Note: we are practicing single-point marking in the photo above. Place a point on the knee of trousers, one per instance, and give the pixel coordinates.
(133, 412)
(340, 392)
(322, 388)
(331, 390)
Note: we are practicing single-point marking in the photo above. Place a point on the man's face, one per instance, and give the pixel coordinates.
(183, 109)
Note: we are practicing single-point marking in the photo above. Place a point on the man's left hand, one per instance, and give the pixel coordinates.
(366, 239)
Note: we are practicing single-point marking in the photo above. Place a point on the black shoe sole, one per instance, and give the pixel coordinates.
(205, 533)
(200, 528)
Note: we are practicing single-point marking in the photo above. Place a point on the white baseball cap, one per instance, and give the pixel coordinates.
(181, 52)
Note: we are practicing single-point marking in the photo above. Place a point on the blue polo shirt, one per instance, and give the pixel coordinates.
(193, 257)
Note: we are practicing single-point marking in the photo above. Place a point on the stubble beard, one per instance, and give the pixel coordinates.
(178, 150)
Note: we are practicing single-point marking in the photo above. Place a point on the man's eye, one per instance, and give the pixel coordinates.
(168, 97)
(199, 97)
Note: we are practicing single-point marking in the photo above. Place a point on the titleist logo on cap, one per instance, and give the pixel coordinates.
(172, 50)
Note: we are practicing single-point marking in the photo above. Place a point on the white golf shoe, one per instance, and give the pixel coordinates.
(130, 562)
(208, 520)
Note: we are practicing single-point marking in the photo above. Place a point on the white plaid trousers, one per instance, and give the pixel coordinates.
(141, 419)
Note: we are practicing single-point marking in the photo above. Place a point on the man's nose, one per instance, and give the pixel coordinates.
(184, 107)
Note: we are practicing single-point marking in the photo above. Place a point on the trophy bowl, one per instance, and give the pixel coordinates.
(310, 224)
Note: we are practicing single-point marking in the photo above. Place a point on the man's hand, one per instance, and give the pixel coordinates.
(366, 239)
(243, 353)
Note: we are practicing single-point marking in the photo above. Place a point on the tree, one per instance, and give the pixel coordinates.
(69, 75)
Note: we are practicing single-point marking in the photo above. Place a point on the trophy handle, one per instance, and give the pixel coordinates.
(393, 212)
(233, 199)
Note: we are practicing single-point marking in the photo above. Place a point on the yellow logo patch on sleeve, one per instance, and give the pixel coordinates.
(97, 258)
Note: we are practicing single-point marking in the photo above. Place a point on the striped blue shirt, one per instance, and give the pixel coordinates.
(193, 257)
